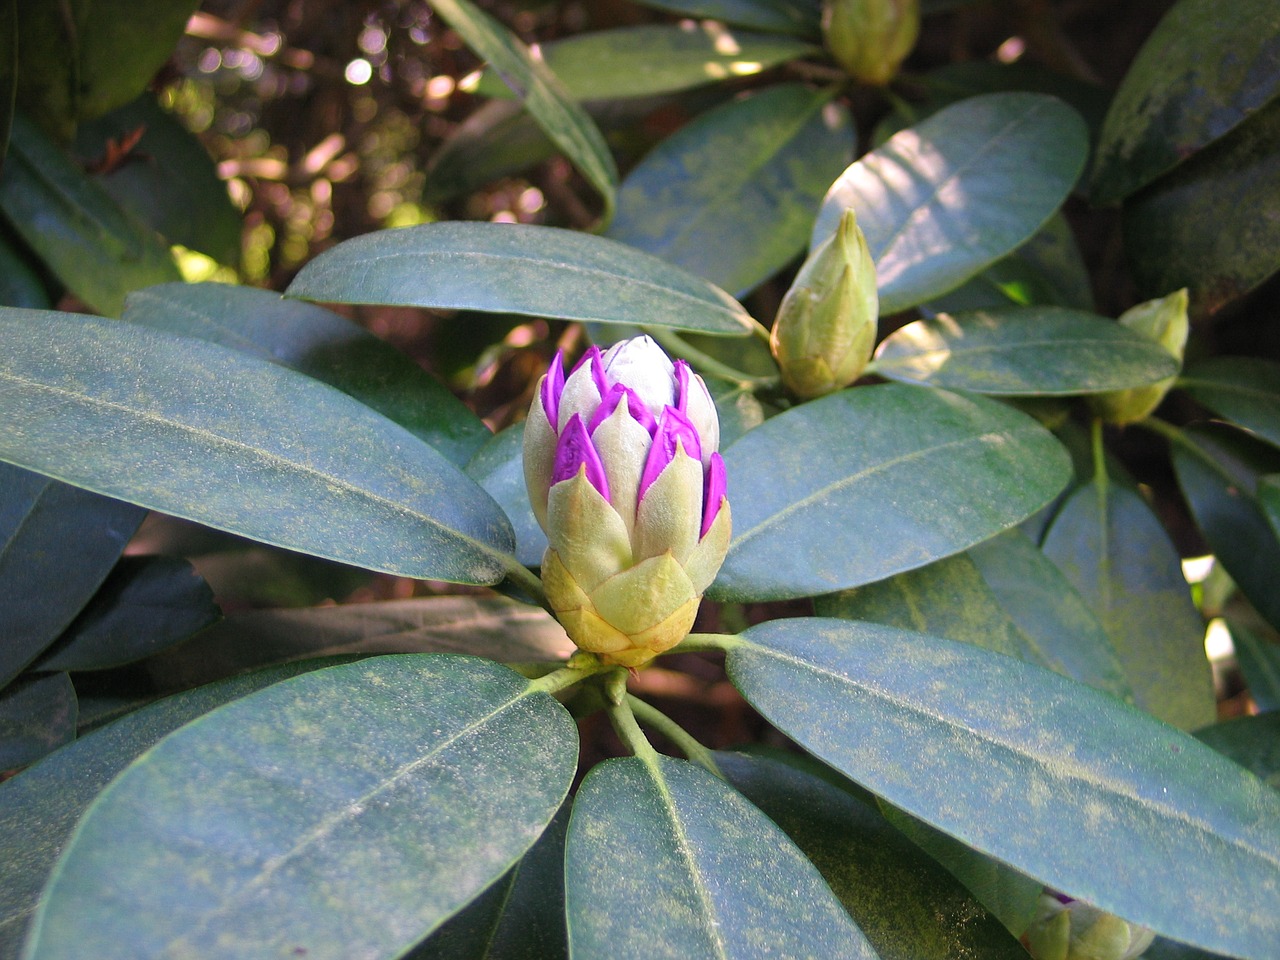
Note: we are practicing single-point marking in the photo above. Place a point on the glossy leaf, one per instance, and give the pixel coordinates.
(731, 195)
(866, 483)
(99, 251)
(240, 444)
(40, 807)
(355, 808)
(799, 17)
(1175, 99)
(1181, 232)
(498, 466)
(321, 344)
(1040, 351)
(1048, 775)
(37, 715)
(1253, 742)
(906, 904)
(1259, 661)
(1004, 595)
(656, 58)
(145, 605)
(945, 199)
(1115, 552)
(563, 120)
(1218, 470)
(538, 271)
(57, 545)
(1243, 389)
(719, 879)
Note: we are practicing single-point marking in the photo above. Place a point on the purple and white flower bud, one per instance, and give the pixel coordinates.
(1067, 929)
(621, 462)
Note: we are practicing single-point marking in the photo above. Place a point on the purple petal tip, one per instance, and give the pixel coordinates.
(713, 493)
(552, 387)
(674, 429)
(574, 453)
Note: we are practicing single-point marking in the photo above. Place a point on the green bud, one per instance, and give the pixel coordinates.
(1077, 931)
(870, 38)
(1164, 321)
(826, 327)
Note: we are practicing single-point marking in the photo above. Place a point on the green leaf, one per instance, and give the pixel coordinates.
(1259, 661)
(1062, 782)
(1269, 500)
(238, 443)
(869, 482)
(37, 715)
(535, 271)
(490, 627)
(1039, 351)
(564, 121)
(1218, 470)
(352, 810)
(1114, 551)
(657, 58)
(943, 200)
(168, 181)
(57, 545)
(1181, 231)
(8, 73)
(20, 281)
(665, 860)
(731, 195)
(906, 904)
(1175, 99)
(1004, 595)
(145, 605)
(1243, 389)
(97, 249)
(798, 17)
(321, 344)
(40, 807)
(1253, 742)
(495, 140)
(498, 466)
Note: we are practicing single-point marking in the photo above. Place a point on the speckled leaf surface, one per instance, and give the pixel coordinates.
(498, 466)
(1117, 555)
(1253, 742)
(869, 482)
(346, 812)
(1037, 351)
(941, 201)
(800, 17)
(1206, 68)
(321, 344)
(518, 268)
(1050, 776)
(731, 196)
(37, 715)
(719, 879)
(1243, 389)
(238, 443)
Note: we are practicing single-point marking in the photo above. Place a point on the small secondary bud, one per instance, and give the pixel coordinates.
(871, 38)
(1164, 321)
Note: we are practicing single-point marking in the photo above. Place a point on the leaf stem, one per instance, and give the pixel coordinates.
(1099, 455)
(579, 667)
(707, 643)
(674, 343)
(528, 581)
(618, 708)
(654, 718)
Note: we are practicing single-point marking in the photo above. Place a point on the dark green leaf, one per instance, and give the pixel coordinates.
(739, 407)
(870, 482)
(8, 76)
(1201, 72)
(37, 715)
(97, 249)
(145, 605)
(40, 807)
(731, 196)
(1182, 231)
(1041, 351)
(499, 467)
(320, 344)
(241, 444)
(1218, 470)
(20, 282)
(563, 120)
(495, 140)
(1243, 389)
(168, 181)
(346, 812)
(665, 860)
(947, 198)
(57, 545)
(1269, 500)
(1004, 595)
(1115, 552)
(538, 271)
(1252, 742)
(1259, 661)
(1064, 783)
(799, 17)
(906, 904)
(655, 58)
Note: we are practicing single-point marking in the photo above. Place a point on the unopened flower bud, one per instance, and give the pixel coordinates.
(621, 462)
(1066, 929)
(1164, 321)
(870, 38)
(826, 327)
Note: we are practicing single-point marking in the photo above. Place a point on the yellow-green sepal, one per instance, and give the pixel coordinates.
(669, 516)
(708, 556)
(539, 456)
(585, 530)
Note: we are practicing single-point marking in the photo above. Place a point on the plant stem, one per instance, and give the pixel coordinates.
(579, 667)
(618, 708)
(706, 643)
(654, 718)
(528, 581)
(1099, 454)
(676, 344)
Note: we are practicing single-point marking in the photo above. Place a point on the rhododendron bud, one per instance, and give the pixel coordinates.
(826, 326)
(621, 462)
(1164, 321)
(1066, 929)
(870, 38)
